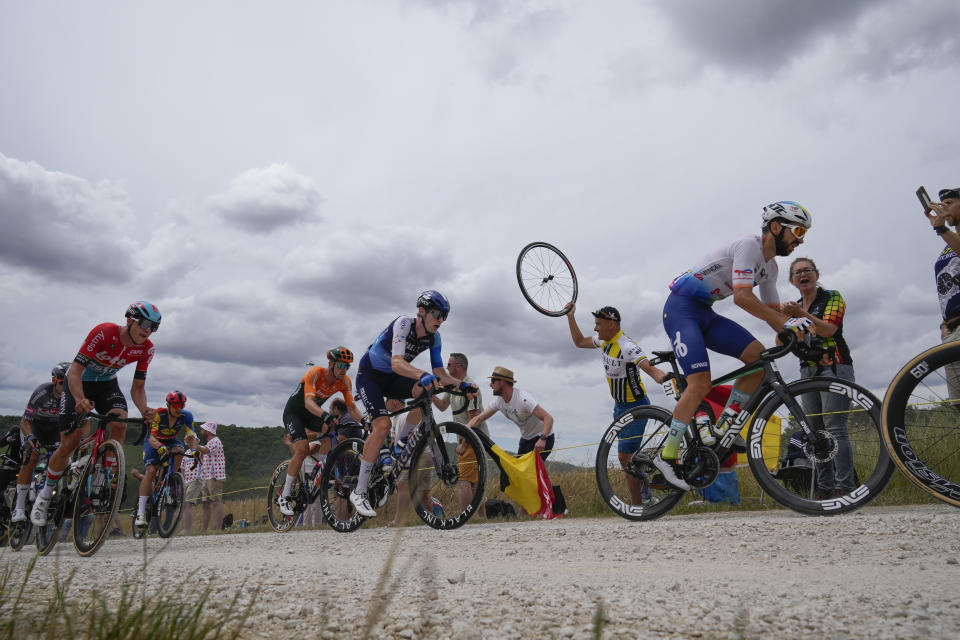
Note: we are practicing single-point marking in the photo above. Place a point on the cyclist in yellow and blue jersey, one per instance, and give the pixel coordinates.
(161, 439)
(623, 360)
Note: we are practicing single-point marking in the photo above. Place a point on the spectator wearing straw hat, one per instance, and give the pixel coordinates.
(536, 425)
(214, 475)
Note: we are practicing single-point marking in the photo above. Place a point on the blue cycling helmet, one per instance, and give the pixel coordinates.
(145, 313)
(431, 299)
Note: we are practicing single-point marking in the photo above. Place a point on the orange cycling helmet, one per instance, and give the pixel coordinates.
(177, 398)
(340, 354)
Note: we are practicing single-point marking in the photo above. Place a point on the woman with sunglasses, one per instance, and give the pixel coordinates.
(825, 308)
(91, 383)
(304, 412)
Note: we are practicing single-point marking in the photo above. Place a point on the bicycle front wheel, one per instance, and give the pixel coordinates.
(842, 468)
(448, 475)
(338, 479)
(921, 421)
(279, 522)
(171, 505)
(546, 278)
(57, 511)
(629, 483)
(98, 498)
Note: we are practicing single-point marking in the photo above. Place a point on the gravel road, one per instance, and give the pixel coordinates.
(877, 573)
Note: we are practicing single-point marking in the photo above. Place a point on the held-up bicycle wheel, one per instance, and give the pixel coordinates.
(98, 498)
(843, 468)
(437, 469)
(279, 522)
(921, 422)
(171, 505)
(628, 482)
(546, 278)
(339, 477)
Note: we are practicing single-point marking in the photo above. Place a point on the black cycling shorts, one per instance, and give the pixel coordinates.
(106, 396)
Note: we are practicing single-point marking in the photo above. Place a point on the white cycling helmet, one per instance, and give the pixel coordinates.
(787, 211)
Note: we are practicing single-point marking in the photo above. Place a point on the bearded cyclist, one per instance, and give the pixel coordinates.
(386, 376)
(92, 384)
(693, 326)
(304, 412)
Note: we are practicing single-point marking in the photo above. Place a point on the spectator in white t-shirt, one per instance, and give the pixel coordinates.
(536, 425)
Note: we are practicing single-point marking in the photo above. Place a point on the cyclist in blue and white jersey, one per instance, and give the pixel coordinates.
(693, 326)
(386, 375)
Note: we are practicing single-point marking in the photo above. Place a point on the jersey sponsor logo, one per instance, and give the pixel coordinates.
(699, 365)
(96, 340)
(679, 347)
(742, 273)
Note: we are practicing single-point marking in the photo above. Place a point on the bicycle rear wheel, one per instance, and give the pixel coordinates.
(921, 422)
(98, 498)
(629, 483)
(279, 522)
(447, 487)
(846, 467)
(546, 278)
(171, 505)
(57, 511)
(338, 479)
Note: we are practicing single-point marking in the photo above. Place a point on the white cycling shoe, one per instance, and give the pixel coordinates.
(283, 503)
(18, 515)
(361, 503)
(38, 516)
(141, 520)
(668, 469)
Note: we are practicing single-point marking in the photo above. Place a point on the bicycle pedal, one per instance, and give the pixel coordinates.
(657, 481)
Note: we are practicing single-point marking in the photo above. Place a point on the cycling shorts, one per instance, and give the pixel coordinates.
(694, 327)
(373, 386)
(296, 419)
(106, 396)
(631, 436)
(150, 455)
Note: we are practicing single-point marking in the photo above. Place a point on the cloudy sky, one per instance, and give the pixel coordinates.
(281, 178)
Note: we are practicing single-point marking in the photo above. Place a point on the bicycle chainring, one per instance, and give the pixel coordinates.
(702, 467)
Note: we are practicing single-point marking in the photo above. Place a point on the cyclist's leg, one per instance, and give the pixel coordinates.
(628, 443)
(151, 460)
(685, 321)
(25, 476)
(295, 424)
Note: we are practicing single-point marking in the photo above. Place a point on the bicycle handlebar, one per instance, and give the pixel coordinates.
(424, 398)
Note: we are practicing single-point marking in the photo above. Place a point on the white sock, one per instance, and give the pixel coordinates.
(22, 490)
(142, 504)
(287, 486)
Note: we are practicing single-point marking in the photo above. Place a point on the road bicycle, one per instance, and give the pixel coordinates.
(20, 532)
(792, 446)
(9, 466)
(921, 423)
(306, 491)
(165, 502)
(546, 278)
(433, 464)
(91, 491)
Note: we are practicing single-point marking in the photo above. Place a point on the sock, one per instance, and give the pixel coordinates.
(52, 478)
(363, 480)
(672, 445)
(738, 397)
(142, 504)
(287, 486)
(22, 490)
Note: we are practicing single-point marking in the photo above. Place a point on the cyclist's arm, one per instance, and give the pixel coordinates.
(26, 427)
(746, 299)
(486, 414)
(441, 403)
(576, 334)
(138, 393)
(313, 406)
(824, 329)
(444, 377)
(75, 385)
(404, 368)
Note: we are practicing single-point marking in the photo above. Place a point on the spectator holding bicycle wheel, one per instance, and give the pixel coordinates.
(386, 375)
(623, 360)
(91, 383)
(304, 412)
(825, 308)
(942, 216)
(693, 326)
(161, 439)
(38, 427)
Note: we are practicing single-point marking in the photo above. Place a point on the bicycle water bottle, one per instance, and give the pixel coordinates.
(702, 420)
(386, 459)
(727, 418)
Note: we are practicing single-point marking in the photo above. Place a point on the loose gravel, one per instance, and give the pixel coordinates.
(876, 573)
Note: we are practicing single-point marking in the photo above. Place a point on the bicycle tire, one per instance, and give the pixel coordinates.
(546, 278)
(338, 479)
(4, 525)
(801, 485)
(60, 503)
(18, 533)
(279, 522)
(168, 515)
(621, 494)
(434, 481)
(98, 498)
(921, 429)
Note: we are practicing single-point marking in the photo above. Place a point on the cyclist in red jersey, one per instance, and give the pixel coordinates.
(92, 384)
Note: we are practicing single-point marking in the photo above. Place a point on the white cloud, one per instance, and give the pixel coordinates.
(264, 200)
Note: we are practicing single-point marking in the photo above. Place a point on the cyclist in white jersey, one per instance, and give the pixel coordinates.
(693, 326)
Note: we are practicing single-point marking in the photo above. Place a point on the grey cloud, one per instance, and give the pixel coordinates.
(759, 36)
(62, 227)
(263, 200)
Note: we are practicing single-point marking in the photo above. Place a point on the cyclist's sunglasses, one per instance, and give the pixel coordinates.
(798, 231)
(438, 314)
(148, 325)
(175, 405)
(58, 380)
(342, 365)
